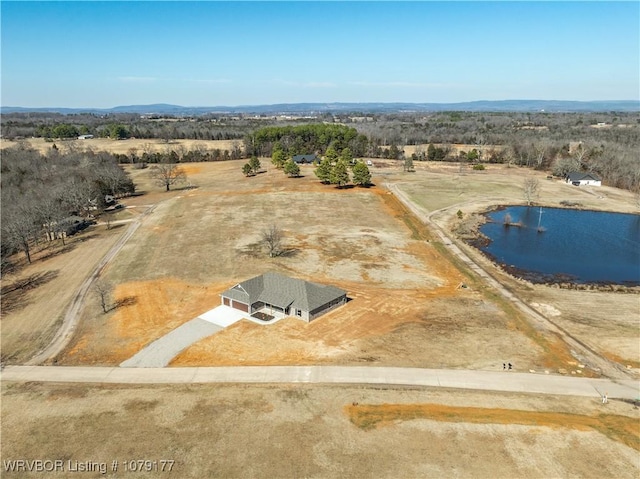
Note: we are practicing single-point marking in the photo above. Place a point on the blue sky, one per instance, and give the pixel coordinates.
(104, 54)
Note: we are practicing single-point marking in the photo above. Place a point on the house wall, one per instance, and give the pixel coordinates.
(325, 308)
(585, 182)
(235, 304)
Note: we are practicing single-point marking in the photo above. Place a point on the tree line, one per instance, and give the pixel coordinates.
(537, 140)
(45, 196)
(304, 139)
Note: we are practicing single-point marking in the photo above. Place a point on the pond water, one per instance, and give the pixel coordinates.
(570, 245)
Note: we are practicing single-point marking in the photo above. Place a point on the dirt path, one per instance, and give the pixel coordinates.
(71, 318)
(582, 351)
(443, 378)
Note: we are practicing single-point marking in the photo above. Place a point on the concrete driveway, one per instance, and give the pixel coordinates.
(159, 353)
(223, 316)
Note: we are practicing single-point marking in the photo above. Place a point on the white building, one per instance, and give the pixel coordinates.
(577, 178)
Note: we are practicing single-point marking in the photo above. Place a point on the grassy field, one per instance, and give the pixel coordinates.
(138, 145)
(405, 294)
(304, 431)
(32, 313)
(407, 309)
(606, 321)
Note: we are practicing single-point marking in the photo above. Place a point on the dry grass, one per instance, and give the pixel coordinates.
(606, 321)
(303, 431)
(404, 291)
(32, 314)
(125, 146)
(623, 429)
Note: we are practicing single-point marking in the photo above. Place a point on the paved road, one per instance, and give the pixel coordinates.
(444, 378)
(581, 350)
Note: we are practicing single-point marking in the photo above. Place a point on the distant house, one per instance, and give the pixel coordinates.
(85, 137)
(305, 159)
(70, 226)
(577, 178)
(275, 294)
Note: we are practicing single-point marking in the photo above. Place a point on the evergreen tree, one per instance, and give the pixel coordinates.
(254, 163)
(346, 156)
(278, 157)
(408, 164)
(292, 169)
(340, 174)
(246, 169)
(331, 155)
(323, 171)
(361, 174)
(431, 152)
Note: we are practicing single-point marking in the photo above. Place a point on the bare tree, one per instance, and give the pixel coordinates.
(531, 189)
(20, 227)
(540, 153)
(272, 240)
(103, 290)
(168, 174)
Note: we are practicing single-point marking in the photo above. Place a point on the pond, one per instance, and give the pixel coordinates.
(564, 245)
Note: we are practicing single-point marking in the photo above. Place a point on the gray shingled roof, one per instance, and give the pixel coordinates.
(578, 176)
(280, 290)
(305, 158)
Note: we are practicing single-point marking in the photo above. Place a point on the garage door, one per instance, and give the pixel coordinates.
(240, 306)
(226, 301)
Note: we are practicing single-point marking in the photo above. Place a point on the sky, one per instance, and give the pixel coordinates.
(106, 54)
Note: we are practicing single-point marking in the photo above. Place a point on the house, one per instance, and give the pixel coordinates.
(305, 159)
(274, 294)
(577, 178)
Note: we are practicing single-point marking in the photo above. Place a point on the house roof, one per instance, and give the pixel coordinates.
(579, 176)
(280, 290)
(304, 158)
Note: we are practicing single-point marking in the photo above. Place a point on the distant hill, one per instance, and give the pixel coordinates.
(553, 106)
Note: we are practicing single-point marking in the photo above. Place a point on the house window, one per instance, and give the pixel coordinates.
(298, 312)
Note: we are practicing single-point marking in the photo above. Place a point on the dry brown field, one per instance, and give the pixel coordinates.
(224, 431)
(32, 313)
(607, 321)
(139, 145)
(407, 308)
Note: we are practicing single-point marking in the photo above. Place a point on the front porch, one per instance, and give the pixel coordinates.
(268, 312)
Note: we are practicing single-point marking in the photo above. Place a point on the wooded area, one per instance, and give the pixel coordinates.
(45, 198)
(40, 193)
(602, 143)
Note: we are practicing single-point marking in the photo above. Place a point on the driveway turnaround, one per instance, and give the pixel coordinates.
(445, 378)
(159, 353)
(223, 316)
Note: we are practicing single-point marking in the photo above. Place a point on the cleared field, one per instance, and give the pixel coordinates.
(607, 321)
(138, 145)
(251, 431)
(31, 314)
(406, 309)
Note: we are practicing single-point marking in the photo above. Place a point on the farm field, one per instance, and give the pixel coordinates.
(319, 431)
(140, 145)
(606, 321)
(407, 307)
